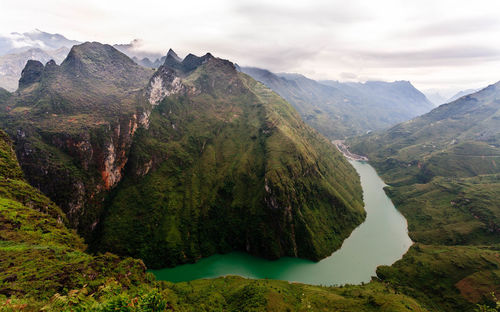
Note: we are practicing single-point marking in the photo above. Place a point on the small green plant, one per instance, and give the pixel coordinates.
(489, 308)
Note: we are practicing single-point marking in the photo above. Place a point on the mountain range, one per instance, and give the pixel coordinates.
(201, 158)
(339, 110)
(335, 109)
(44, 265)
(17, 48)
(37, 39)
(167, 165)
(103, 159)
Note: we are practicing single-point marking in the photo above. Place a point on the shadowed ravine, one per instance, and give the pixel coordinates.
(380, 240)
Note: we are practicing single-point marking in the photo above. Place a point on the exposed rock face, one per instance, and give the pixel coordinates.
(101, 154)
(163, 84)
(230, 166)
(77, 145)
(116, 150)
(199, 157)
(31, 73)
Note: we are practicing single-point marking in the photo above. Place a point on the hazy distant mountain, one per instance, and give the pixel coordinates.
(16, 49)
(435, 97)
(141, 56)
(460, 94)
(11, 65)
(21, 42)
(339, 110)
(464, 130)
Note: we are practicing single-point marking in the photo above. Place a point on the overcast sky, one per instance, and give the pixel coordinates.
(436, 44)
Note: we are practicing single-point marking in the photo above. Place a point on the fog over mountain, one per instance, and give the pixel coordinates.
(17, 48)
(19, 42)
(461, 93)
(135, 50)
(436, 98)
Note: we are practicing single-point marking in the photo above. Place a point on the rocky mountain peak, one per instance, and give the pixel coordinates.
(171, 54)
(90, 54)
(31, 73)
(191, 62)
(103, 66)
(51, 63)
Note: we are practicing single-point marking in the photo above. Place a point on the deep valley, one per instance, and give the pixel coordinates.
(136, 181)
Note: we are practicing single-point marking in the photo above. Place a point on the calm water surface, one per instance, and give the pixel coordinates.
(380, 240)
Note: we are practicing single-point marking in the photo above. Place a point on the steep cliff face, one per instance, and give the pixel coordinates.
(31, 73)
(173, 165)
(225, 164)
(73, 125)
(44, 267)
(76, 169)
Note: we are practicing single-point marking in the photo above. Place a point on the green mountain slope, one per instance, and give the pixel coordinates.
(230, 166)
(443, 173)
(73, 125)
(4, 95)
(456, 149)
(339, 110)
(44, 266)
(197, 157)
(40, 256)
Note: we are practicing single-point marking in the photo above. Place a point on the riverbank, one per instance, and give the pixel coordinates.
(344, 149)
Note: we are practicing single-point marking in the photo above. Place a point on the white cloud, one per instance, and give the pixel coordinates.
(435, 44)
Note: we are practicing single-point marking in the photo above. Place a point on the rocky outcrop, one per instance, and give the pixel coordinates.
(78, 186)
(164, 83)
(31, 73)
(75, 146)
(230, 166)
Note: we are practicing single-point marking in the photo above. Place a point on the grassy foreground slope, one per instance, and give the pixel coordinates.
(443, 175)
(40, 256)
(44, 266)
(226, 164)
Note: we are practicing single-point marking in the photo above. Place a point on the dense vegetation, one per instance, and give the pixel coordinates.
(339, 110)
(4, 94)
(446, 278)
(71, 125)
(40, 256)
(221, 164)
(44, 266)
(233, 168)
(443, 176)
